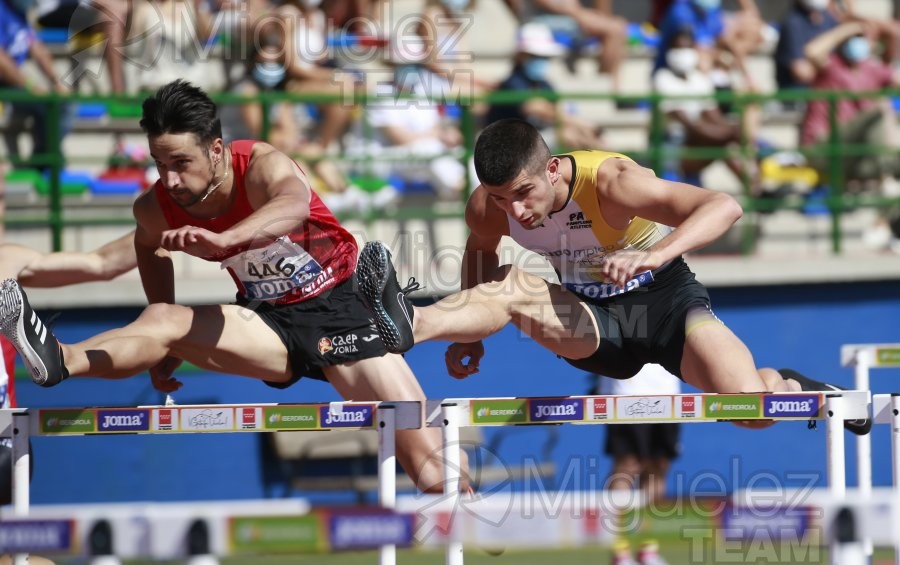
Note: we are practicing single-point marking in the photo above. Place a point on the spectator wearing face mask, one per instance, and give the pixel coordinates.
(715, 32)
(535, 49)
(806, 20)
(698, 122)
(843, 60)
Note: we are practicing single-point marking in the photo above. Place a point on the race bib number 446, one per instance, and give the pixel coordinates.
(276, 270)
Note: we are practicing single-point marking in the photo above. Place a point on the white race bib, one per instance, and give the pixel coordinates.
(274, 271)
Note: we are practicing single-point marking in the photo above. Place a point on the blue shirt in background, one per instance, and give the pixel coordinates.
(16, 35)
(707, 26)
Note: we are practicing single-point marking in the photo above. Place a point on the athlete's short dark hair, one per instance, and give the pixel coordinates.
(180, 107)
(506, 148)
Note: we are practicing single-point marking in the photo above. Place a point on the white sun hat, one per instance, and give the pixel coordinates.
(536, 39)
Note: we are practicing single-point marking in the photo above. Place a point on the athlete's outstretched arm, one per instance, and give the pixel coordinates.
(699, 216)
(50, 270)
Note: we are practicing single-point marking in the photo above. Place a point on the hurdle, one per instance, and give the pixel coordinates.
(452, 413)
(383, 417)
(863, 357)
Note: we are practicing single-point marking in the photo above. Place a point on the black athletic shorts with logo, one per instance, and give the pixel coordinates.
(644, 441)
(645, 325)
(332, 328)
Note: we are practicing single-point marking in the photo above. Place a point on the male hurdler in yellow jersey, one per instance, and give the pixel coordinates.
(576, 238)
(626, 297)
(638, 327)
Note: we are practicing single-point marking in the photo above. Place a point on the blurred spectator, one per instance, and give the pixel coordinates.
(18, 42)
(887, 29)
(170, 36)
(107, 17)
(535, 47)
(716, 34)
(642, 453)
(289, 55)
(698, 122)
(354, 16)
(843, 60)
(341, 194)
(578, 23)
(412, 140)
(443, 29)
(805, 21)
(235, 22)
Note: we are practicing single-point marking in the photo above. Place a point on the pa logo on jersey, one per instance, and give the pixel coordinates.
(577, 221)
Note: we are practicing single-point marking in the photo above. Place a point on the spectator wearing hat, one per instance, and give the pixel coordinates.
(535, 50)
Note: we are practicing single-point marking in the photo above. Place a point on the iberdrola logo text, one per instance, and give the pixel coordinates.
(290, 417)
(498, 411)
(728, 406)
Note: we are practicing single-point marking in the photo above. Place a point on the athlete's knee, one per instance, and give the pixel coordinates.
(521, 288)
(420, 453)
(168, 320)
(430, 478)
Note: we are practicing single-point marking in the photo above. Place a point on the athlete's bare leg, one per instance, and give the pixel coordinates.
(715, 360)
(228, 339)
(390, 378)
(550, 315)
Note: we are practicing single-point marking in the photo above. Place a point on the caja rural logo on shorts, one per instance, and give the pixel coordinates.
(339, 344)
(556, 409)
(123, 420)
(791, 405)
(347, 416)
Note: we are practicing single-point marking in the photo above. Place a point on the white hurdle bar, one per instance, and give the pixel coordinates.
(452, 413)
(383, 417)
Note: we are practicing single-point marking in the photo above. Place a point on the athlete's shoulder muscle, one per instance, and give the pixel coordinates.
(270, 173)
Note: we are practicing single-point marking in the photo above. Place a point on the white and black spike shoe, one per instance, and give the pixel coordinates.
(31, 337)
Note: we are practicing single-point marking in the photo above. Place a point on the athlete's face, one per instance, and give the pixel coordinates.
(529, 198)
(187, 170)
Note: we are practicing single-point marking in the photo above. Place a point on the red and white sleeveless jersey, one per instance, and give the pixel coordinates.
(298, 266)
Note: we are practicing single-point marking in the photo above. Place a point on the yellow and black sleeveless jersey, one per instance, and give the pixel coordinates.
(576, 238)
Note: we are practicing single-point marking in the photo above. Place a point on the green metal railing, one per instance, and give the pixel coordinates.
(837, 201)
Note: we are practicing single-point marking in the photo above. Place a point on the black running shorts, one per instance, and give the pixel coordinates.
(645, 325)
(330, 329)
(644, 441)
